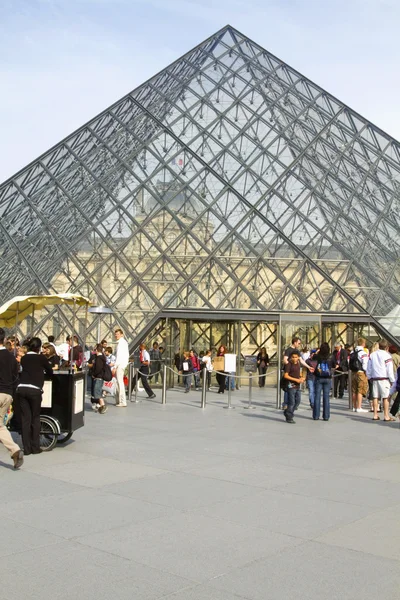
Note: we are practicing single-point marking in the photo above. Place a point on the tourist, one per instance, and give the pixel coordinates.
(358, 362)
(305, 353)
(374, 348)
(221, 375)
(262, 364)
(98, 372)
(207, 361)
(323, 382)
(109, 356)
(294, 347)
(293, 374)
(394, 351)
(196, 368)
(104, 344)
(77, 352)
(8, 378)
(51, 340)
(380, 372)
(186, 369)
(177, 363)
(310, 377)
(63, 350)
(340, 367)
(143, 373)
(395, 389)
(121, 362)
(49, 350)
(155, 362)
(29, 395)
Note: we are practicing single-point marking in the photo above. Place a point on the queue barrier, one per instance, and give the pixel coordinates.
(134, 372)
(249, 376)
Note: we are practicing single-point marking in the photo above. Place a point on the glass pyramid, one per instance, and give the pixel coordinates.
(227, 181)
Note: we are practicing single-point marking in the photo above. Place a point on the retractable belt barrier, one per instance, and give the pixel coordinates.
(229, 376)
(249, 376)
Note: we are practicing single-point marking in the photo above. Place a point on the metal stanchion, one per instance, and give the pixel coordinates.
(229, 394)
(204, 389)
(349, 391)
(130, 369)
(250, 391)
(136, 386)
(164, 385)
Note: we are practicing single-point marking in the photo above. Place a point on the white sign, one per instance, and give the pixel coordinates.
(47, 394)
(230, 363)
(79, 396)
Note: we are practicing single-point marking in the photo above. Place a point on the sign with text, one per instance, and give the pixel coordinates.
(250, 364)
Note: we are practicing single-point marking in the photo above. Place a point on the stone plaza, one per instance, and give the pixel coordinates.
(174, 501)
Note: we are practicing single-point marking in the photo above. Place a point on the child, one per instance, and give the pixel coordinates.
(187, 370)
(196, 368)
(293, 375)
(207, 361)
(110, 358)
(97, 375)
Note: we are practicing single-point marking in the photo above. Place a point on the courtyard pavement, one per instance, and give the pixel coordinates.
(176, 502)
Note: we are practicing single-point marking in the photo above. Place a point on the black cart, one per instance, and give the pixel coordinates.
(63, 408)
(63, 403)
(62, 411)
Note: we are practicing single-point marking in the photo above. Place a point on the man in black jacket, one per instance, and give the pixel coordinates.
(341, 367)
(8, 379)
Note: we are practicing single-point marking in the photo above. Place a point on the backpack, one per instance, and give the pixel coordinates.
(283, 384)
(398, 381)
(355, 363)
(107, 373)
(323, 369)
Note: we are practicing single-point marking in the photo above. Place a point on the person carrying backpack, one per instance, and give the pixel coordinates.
(100, 372)
(358, 362)
(323, 382)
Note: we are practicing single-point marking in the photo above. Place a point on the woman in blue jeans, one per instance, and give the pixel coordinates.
(323, 382)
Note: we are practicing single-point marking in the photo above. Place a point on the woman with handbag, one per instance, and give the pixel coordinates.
(221, 375)
(262, 364)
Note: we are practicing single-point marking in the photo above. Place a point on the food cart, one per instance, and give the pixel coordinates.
(63, 403)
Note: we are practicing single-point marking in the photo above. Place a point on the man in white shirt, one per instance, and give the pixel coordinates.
(63, 349)
(380, 372)
(121, 362)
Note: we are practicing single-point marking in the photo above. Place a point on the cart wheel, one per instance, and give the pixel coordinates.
(48, 435)
(62, 438)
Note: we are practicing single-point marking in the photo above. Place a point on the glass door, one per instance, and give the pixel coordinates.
(306, 327)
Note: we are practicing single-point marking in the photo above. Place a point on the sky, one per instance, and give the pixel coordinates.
(64, 61)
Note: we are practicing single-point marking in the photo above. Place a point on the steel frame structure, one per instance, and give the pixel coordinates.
(228, 181)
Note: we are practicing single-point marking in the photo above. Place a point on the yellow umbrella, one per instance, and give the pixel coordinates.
(14, 311)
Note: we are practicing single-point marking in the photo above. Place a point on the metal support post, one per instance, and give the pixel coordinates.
(349, 391)
(130, 379)
(136, 386)
(164, 385)
(204, 389)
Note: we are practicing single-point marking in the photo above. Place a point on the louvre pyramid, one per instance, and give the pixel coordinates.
(227, 181)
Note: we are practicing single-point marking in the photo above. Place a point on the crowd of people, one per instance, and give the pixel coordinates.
(368, 374)
(374, 376)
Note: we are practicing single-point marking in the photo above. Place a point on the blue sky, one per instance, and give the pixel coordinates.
(63, 61)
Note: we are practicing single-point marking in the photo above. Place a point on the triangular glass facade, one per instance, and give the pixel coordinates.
(227, 181)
